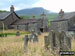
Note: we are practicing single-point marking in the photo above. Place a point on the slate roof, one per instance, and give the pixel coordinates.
(4, 15)
(25, 21)
(66, 16)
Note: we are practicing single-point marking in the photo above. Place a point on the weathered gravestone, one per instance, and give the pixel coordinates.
(33, 37)
(25, 42)
(74, 36)
(65, 42)
(47, 43)
(58, 40)
(39, 33)
(17, 33)
(68, 40)
(61, 41)
(52, 39)
(57, 36)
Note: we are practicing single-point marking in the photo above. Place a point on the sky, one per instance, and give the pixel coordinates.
(52, 5)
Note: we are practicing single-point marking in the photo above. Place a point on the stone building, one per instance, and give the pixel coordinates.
(7, 18)
(64, 22)
(12, 21)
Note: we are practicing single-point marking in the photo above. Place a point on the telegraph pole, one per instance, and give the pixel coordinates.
(3, 27)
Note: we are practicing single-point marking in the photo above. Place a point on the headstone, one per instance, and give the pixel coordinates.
(52, 39)
(58, 40)
(68, 41)
(17, 33)
(73, 37)
(57, 36)
(62, 41)
(47, 44)
(65, 42)
(39, 33)
(25, 42)
(33, 37)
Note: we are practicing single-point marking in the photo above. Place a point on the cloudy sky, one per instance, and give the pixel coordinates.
(52, 5)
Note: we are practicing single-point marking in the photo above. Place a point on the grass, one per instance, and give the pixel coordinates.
(13, 32)
(14, 46)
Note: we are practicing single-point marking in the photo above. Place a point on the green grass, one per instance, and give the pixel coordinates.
(12, 34)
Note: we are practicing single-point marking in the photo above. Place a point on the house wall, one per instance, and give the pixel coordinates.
(28, 27)
(59, 25)
(71, 23)
(33, 26)
(20, 27)
(45, 23)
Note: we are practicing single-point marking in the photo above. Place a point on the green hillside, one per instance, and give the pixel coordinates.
(49, 16)
(1, 11)
(33, 11)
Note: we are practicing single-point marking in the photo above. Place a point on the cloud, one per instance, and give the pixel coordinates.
(22, 6)
(56, 5)
(52, 5)
(18, 4)
(11, 0)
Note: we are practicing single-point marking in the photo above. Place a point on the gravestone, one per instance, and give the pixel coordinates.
(61, 41)
(65, 42)
(52, 39)
(17, 33)
(57, 36)
(46, 41)
(33, 37)
(25, 42)
(68, 41)
(74, 36)
(39, 33)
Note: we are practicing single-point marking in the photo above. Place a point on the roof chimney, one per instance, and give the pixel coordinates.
(43, 15)
(61, 13)
(12, 8)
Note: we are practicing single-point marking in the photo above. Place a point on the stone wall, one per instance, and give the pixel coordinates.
(59, 25)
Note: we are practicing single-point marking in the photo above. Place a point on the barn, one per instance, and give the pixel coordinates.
(12, 21)
(63, 22)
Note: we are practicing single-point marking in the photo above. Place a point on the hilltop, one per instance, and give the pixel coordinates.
(33, 11)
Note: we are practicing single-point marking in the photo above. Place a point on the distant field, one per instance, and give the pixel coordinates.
(12, 33)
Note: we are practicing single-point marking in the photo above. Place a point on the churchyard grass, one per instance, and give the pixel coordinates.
(13, 32)
(14, 46)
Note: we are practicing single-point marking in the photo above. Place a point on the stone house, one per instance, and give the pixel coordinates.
(7, 18)
(12, 21)
(63, 22)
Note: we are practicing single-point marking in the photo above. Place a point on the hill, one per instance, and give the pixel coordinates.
(2, 11)
(50, 17)
(32, 11)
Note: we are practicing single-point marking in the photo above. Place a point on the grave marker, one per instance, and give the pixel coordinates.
(33, 37)
(25, 42)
